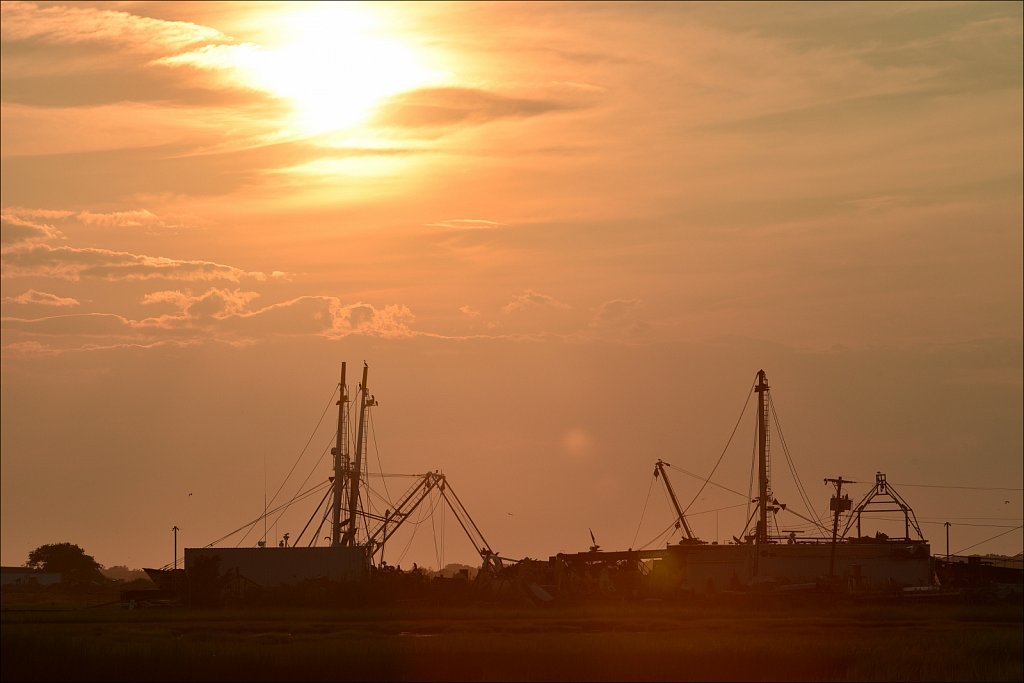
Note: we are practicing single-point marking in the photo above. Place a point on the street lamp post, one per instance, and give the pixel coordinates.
(175, 530)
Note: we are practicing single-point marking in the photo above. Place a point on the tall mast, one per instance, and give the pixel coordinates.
(357, 465)
(762, 456)
(340, 452)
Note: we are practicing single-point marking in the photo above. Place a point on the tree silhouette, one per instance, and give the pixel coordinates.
(67, 559)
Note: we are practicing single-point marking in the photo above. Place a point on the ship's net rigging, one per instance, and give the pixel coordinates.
(378, 512)
(811, 522)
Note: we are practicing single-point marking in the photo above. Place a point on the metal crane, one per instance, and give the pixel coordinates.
(393, 519)
(659, 471)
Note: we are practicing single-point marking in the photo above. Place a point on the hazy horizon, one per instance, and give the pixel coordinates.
(563, 236)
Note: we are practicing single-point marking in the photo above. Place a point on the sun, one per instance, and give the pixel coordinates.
(335, 62)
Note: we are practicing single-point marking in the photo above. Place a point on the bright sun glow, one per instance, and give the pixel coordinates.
(335, 63)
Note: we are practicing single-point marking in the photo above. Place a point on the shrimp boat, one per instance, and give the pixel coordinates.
(358, 534)
(763, 556)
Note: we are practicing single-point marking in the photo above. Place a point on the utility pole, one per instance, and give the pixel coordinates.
(947, 541)
(175, 530)
(838, 505)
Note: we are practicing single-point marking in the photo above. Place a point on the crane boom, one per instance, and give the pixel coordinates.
(659, 471)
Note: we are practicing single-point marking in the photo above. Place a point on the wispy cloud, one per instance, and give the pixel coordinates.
(24, 21)
(443, 107)
(79, 324)
(466, 224)
(213, 304)
(217, 315)
(70, 263)
(32, 218)
(532, 299)
(615, 311)
(42, 298)
(15, 231)
(120, 219)
(618, 319)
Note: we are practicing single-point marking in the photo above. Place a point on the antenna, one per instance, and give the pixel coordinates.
(264, 497)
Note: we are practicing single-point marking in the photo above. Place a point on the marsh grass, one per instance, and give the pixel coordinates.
(602, 642)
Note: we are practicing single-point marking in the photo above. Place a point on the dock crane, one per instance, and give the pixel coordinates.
(419, 491)
(659, 471)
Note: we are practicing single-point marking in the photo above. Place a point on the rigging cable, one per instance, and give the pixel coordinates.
(312, 516)
(296, 463)
(707, 512)
(438, 552)
(416, 526)
(697, 476)
(644, 512)
(330, 402)
(659, 537)
(293, 500)
(738, 420)
(380, 467)
(750, 481)
(792, 467)
(305, 494)
(806, 519)
(323, 520)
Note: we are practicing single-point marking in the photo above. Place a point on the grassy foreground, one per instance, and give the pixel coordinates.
(899, 642)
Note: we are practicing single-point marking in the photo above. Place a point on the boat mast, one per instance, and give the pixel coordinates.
(340, 452)
(357, 465)
(764, 488)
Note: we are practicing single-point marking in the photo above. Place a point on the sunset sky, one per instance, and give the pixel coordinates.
(564, 237)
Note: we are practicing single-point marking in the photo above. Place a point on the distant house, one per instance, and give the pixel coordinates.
(23, 576)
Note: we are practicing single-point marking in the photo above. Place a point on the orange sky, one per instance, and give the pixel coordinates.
(565, 237)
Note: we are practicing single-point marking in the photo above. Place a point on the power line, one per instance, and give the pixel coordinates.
(987, 540)
(997, 519)
(974, 488)
(944, 486)
(992, 526)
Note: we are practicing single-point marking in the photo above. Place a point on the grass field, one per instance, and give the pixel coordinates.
(845, 642)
